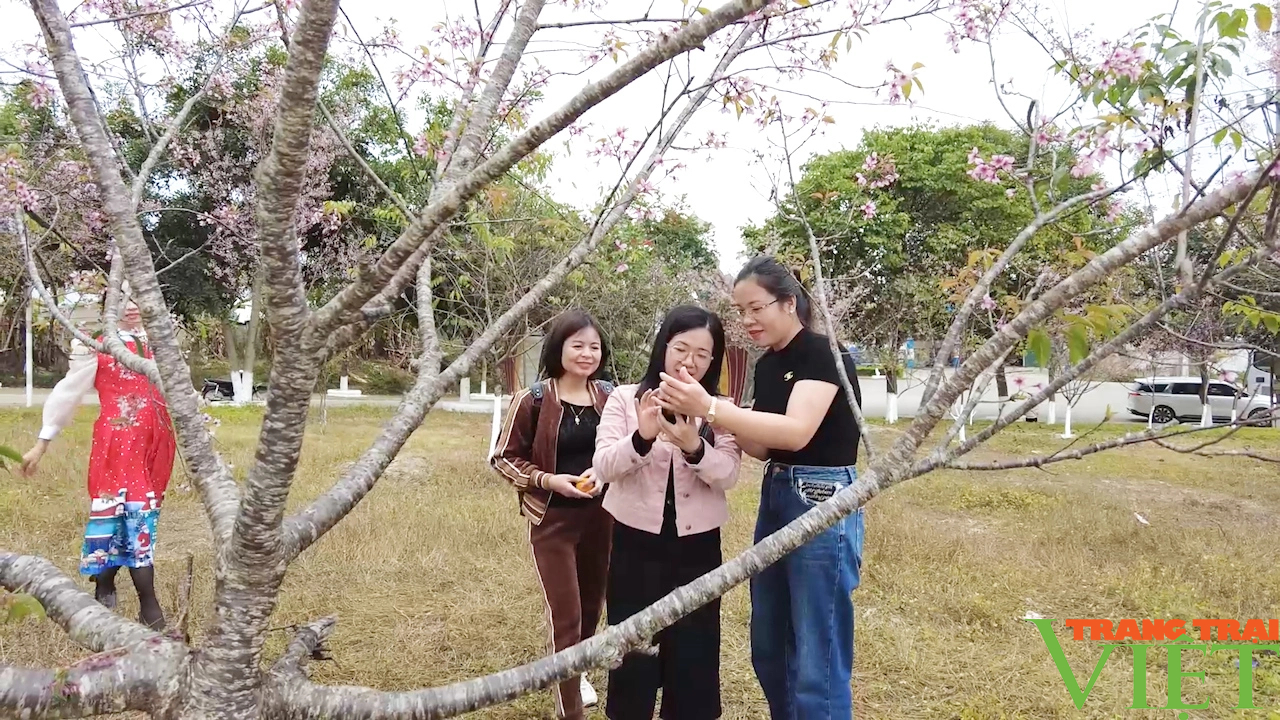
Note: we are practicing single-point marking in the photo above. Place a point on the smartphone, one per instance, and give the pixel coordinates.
(670, 416)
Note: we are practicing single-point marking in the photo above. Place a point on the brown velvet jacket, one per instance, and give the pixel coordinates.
(525, 454)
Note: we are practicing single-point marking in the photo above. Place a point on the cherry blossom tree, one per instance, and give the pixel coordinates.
(491, 79)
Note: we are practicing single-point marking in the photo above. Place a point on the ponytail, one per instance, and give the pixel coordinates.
(781, 282)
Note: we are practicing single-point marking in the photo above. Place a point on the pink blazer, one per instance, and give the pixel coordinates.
(638, 483)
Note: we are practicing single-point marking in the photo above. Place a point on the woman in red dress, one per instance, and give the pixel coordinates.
(129, 465)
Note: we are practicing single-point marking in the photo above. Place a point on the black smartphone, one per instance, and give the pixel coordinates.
(670, 416)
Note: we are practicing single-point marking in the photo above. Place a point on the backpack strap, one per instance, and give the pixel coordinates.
(605, 386)
(536, 390)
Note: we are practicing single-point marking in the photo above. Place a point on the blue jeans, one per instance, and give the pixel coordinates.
(802, 605)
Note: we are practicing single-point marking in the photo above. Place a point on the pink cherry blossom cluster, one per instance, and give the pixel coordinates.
(1099, 151)
(975, 20)
(989, 170)
(611, 46)
(897, 81)
(615, 145)
(877, 172)
(154, 28)
(1123, 61)
(14, 192)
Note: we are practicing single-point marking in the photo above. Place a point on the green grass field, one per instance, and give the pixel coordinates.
(432, 580)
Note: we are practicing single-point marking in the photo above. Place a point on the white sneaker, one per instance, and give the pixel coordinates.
(589, 698)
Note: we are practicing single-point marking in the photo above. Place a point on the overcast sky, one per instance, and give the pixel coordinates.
(728, 187)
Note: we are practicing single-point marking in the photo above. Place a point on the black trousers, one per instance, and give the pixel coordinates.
(643, 568)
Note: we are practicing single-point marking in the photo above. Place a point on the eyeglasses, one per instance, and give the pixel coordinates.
(700, 357)
(753, 311)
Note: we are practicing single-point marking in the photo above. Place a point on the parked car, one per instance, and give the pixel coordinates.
(1178, 398)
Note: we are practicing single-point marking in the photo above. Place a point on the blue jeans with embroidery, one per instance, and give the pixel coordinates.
(801, 606)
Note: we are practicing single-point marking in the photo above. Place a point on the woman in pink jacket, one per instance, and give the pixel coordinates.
(667, 479)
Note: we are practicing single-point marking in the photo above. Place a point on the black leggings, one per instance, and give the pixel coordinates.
(644, 567)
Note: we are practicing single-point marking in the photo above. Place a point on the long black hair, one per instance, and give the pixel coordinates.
(779, 282)
(680, 319)
(551, 364)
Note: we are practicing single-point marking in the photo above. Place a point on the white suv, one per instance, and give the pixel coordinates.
(1178, 398)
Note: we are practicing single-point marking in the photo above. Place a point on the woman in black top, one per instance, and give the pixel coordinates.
(801, 424)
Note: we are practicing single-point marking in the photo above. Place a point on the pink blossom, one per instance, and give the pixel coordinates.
(988, 303)
(862, 179)
(622, 267)
(1011, 193)
(422, 146)
(1122, 62)
(869, 209)
(1002, 162)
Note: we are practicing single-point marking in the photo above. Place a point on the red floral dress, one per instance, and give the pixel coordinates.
(131, 460)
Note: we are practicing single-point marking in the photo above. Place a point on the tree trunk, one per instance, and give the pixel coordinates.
(242, 374)
(231, 333)
(1053, 396)
(1206, 412)
(1002, 383)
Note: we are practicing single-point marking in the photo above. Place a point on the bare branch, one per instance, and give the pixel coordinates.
(139, 14)
(213, 479)
(295, 366)
(352, 298)
(306, 527)
(1252, 455)
(113, 682)
(820, 284)
(1153, 435)
(369, 172)
(133, 361)
(86, 621)
(980, 290)
(175, 126)
(1129, 249)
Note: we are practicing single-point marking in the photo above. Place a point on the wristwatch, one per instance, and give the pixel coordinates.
(711, 411)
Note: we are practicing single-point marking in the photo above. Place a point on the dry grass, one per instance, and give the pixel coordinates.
(432, 581)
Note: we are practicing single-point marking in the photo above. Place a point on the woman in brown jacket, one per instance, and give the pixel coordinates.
(545, 451)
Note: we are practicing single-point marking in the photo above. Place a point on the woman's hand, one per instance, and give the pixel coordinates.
(683, 432)
(683, 395)
(648, 415)
(31, 461)
(566, 486)
(588, 483)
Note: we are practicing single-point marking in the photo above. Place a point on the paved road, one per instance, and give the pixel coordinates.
(1091, 408)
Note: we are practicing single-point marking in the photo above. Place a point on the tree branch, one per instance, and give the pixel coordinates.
(113, 682)
(296, 364)
(320, 516)
(1153, 435)
(217, 489)
(157, 151)
(980, 290)
(820, 284)
(85, 620)
(139, 14)
(1034, 313)
(349, 301)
